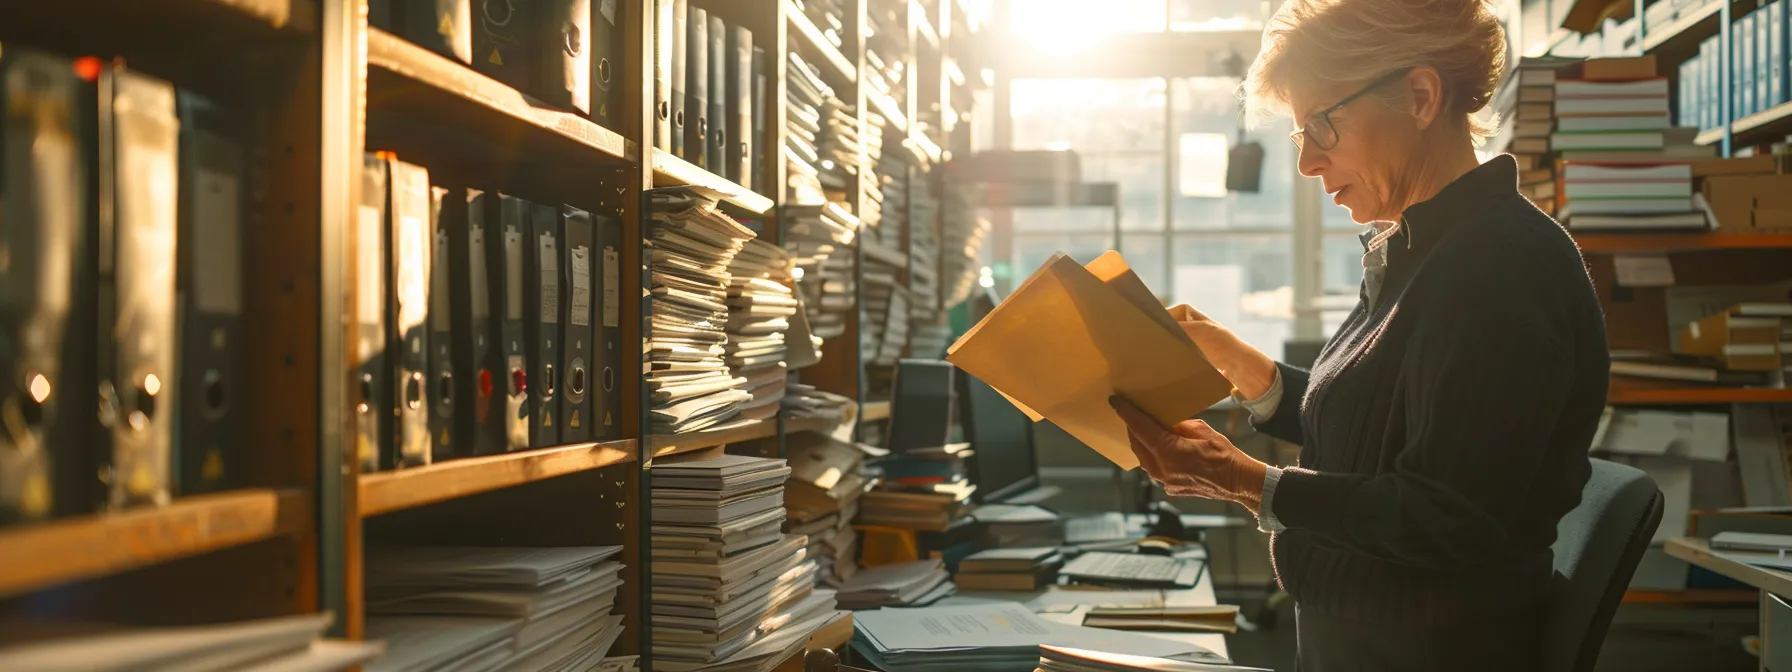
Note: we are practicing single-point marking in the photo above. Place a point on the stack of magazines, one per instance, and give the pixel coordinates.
(690, 246)
(493, 607)
(730, 589)
(819, 239)
(805, 95)
(760, 305)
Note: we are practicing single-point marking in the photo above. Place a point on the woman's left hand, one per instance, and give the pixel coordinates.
(1191, 459)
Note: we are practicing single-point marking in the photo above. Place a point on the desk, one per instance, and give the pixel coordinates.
(1200, 595)
(1775, 586)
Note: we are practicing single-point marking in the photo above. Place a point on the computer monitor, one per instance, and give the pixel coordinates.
(921, 406)
(1003, 463)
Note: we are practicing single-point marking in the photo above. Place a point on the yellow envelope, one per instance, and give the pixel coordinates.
(1072, 336)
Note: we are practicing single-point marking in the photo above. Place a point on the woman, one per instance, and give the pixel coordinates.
(1444, 428)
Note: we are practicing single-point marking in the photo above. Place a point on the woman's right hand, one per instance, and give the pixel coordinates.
(1246, 367)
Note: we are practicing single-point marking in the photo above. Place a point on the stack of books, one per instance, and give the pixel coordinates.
(822, 499)
(1526, 103)
(690, 246)
(1624, 166)
(806, 94)
(499, 607)
(1607, 196)
(925, 491)
(284, 643)
(1009, 569)
(729, 587)
(906, 584)
(760, 305)
(819, 239)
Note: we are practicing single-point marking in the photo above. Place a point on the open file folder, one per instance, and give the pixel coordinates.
(1072, 336)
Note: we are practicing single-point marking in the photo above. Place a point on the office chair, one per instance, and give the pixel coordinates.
(1598, 546)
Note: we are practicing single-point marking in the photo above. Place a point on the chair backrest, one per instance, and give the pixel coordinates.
(1598, 546)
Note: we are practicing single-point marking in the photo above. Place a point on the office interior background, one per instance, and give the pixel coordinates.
(311, 460)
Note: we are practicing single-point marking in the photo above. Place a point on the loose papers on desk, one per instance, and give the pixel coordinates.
(921, 582)
(994, 638)
(1064, 659)
(729, 589)
(491, 608)
(1104, 334)
(286, 644)
(690, 248)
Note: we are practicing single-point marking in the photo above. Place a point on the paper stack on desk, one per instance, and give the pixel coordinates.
(267, 645)
(922, 490)
(1062, 659)
(819, 239)
(690, 246)
(1009, 569)
(760, 305)
(991, 638)
(917, 583)
(823, 498)
(729, 588)
(529, 607)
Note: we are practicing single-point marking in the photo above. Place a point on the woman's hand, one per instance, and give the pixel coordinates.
(1246, 367)
(1192, 460)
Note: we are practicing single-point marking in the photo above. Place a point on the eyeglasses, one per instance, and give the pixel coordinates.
(1319, 126)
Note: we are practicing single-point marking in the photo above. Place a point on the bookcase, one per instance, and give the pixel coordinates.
(325, 88)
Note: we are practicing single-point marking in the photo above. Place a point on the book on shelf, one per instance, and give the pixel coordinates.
(1685, 370)
(1626, 206)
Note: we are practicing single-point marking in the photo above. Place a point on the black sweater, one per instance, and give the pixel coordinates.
(1444, 429)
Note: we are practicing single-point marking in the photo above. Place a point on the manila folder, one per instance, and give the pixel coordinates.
(1072, 336)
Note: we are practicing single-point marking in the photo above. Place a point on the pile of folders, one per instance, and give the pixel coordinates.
(690, 247)
(491, 323)
(559, 53)
(122, 312)
(709, 89)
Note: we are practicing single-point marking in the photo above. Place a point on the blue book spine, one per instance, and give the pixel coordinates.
(1759, 81)
(1747, 84)
(1740, 97)
(1776, 53)
(1705, 102)
(1680, 105)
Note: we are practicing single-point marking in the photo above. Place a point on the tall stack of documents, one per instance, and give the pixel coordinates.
(805, 94)
(493, 607)
(929, 334)
(904, 584)
(991, 637)
(870, 183)
(839, 145)
(285, 643)
(760, 305)
(962, 234)
(822, 499)
(690, 247)
(881, 287)
(819, 240)
(730, 589)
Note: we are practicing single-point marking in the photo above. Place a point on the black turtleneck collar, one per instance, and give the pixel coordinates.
(1484, 188)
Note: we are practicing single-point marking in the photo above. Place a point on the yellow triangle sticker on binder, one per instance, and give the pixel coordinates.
(574, 421)
(446, 27)
(213, 469)
(443, 439)
(495, 59)
(547, 419)
(607, 420)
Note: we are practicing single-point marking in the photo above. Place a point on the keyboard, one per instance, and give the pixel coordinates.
(1131, 568)
(1095, 528)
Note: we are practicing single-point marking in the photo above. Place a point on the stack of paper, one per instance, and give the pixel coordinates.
(906, 584)
(760, 305)
(1009, 569)
(690, 247)
(823, 498)
(493, 607)
(870, 182)
(929, 333)
(961, 243)
(883, 298)
(1063, 659)
(806, 402)
(271, 645)
(991, 637)
(839, 145)
(819, 240)
(924, 489)
(620, 664)
(805, 95)
(729, 588)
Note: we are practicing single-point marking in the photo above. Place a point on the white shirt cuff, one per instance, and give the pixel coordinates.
(1266, 511)
(1264, 407)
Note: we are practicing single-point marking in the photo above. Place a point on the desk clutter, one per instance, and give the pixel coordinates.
(490, 608)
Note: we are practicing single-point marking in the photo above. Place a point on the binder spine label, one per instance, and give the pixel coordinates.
(550, 280)
(581, 287)
(612, 284)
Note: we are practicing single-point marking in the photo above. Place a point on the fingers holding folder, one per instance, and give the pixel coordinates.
(1072, 336)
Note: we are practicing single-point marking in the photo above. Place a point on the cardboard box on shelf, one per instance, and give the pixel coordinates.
(1738, 202)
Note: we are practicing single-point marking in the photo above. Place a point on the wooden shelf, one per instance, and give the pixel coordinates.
(62, 551)
(1628, 390)
(1680, 242)
(1685, 33)
(923, 25)
(389, 491)
(841, 66)
(671, 171)
(1693, 598)
(875, 410)
(427, 86)
(673, 444)
(798, 426)
(1709, 137)
(1764, 123)
(1698, 552)
(886, 106)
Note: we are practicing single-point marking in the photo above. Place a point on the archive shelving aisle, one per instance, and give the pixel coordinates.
(325, 89)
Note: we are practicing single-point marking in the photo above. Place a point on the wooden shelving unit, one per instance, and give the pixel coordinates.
(1680, 242)
(68, 550)
(1686, 32)
(875, 410)
(325, 88)
(1631, 391)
